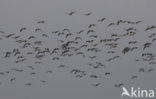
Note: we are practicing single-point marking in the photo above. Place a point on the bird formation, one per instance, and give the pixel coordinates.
(95, 48)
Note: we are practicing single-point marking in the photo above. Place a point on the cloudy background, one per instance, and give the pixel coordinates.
(15, 14)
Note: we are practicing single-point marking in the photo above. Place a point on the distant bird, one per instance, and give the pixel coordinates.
(2, 32)
(150, 27)
(31, 67)
(119, 85)
(125, 50)
(111, 52)
(87, 14)
(71, 13)
(28, 84)
(56, 58)
(150, 70)
(132, 42)
(94, 36)
(45, 35)
(43, 81)
(22, 29)
(7, 54)
(107, 73)
(38, 42)
(134, 77)
(91, 25)
(95, 85)
(33, 73)
(1, 73)
(39, 22)
(154, 39)
(31, 37)
(150, 36)
(38, 62)
(94, 76)
(12, 79)
(147, 45)
(80, 32)
(16, 37)
(110, 24)
(141, 70)
(38, 29)
(101, 20)
(9, 35)
(49, 71)
(92, 57)
(61, 66)
(90, 31)
(80, 53)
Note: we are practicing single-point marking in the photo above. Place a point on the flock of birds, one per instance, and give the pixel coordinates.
(86, 44)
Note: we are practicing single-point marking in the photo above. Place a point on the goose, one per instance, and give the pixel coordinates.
(80, 32)
(148, 44)
(2, 32)
(95, 85)
(101, 20)
(76, 38)
(94, 36)
(150, 27)
(40, 22)
(12, 79)
(91, 25)
(107, 73)
(22, 29)
(71, 13)
(92, 57)
(87, 14)
(38, 29)
(1, 73)
(49, 71)
(16, 37)
(28, 84)
(119, 85)
(45, 35)
(31, 37)
(134, 77)
(9, 35)
(7, 54)
(62, 66)
(33, 73)
(89, 31)
(141, 70)
(56, 58)
(154, 39)
(110, 24)
(125, 50)
(43, 81)
(31, 67)
(94, 76)
(150, 70)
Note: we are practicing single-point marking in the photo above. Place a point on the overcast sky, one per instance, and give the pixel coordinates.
(15, 14)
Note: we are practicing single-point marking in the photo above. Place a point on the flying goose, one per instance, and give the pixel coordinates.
(71, 13)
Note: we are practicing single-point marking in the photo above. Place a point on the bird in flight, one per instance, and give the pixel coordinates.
(22, 29)
(71, 13)
(87, 14)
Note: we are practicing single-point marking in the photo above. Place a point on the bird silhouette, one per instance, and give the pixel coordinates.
(22, 29)
(71, 13)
